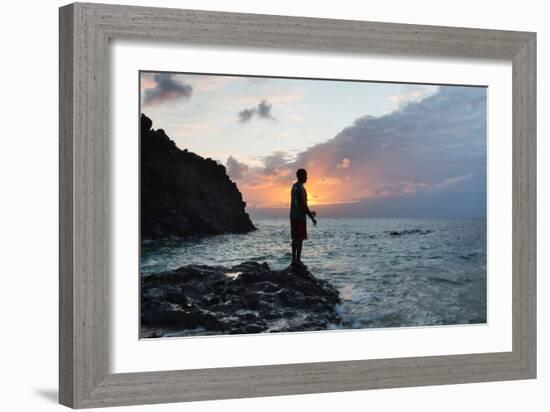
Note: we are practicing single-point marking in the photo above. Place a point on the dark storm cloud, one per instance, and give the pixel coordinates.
(431, 149)
(262, 110)
(437, 139)
(235, 169)
(167, 88)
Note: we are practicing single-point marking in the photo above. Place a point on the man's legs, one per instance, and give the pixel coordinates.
(299, 250)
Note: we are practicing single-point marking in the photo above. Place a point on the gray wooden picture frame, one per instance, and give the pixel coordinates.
(85, 32)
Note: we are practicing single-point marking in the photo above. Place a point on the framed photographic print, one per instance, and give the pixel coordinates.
(258, 205)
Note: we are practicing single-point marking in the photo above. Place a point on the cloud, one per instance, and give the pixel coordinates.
(344, 164)
(413, 93)
(235, 169)
(166, 87)
(329, 181)
(426, 141)
(246, 114)
(436, 145)
(410, 187)
(262, 110)
(277, 163)
(452, 181)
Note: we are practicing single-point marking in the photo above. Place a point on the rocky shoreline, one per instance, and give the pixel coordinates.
(246, 298)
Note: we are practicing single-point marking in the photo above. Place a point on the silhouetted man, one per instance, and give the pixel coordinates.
(298, 212)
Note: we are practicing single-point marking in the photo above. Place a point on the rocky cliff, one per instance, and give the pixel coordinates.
(247, 298)
(183, 194)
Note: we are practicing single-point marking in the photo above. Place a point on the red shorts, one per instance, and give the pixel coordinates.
(298, 229)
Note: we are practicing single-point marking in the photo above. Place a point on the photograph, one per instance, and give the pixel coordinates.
(278, 204)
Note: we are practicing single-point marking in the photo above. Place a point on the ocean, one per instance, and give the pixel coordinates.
(389, 272)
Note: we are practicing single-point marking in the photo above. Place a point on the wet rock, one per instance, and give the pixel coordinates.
(409, 232)
(246, 298)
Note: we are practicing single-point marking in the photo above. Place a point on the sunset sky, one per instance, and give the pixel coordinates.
(370, 149)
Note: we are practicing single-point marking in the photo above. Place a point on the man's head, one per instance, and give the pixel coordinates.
(301, 174)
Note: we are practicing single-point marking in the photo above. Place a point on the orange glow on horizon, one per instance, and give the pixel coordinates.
(323, 188)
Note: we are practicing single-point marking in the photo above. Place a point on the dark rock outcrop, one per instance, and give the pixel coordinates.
(183, 194)
(247, 298)
(410, 232)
